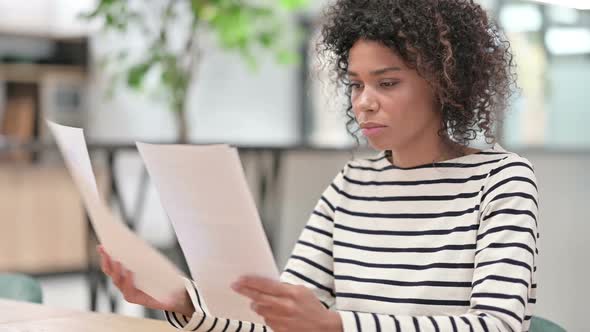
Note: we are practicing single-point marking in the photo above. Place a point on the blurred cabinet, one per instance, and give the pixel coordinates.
(43, 75)
(18, 120)
(41, 78)
(42, 222)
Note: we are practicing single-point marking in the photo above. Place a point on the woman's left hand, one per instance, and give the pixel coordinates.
(287, 308)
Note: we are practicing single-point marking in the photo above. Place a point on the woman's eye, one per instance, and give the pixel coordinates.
(388, 84)
(354, 86)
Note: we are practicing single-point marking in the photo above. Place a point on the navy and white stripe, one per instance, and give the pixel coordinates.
(449, 246)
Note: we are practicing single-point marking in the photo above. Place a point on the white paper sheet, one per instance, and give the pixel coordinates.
(154, 274)
(204, 191)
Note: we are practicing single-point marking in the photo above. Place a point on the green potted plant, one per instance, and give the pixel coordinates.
(239, 26)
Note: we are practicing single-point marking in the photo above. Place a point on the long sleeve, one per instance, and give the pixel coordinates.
(311, 263)
(503, 286)
(202, 320)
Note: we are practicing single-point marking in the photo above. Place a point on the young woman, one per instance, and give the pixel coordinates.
(430, 235)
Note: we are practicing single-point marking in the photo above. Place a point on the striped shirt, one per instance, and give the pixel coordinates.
(449, 246)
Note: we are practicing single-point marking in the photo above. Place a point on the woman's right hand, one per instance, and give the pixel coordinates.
(123, 279)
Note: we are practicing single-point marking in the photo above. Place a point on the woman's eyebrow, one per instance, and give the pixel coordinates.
(377, 72)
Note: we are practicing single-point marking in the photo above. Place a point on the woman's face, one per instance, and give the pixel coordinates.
(391, 102)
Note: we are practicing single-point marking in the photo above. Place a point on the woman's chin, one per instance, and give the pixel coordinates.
(379, 145)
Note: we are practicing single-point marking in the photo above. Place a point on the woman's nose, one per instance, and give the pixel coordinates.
(366, 102)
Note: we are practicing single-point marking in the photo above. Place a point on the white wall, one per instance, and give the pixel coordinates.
(57, 18)
(564, 222)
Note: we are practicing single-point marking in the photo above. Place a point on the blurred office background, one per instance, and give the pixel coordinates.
(51, 66)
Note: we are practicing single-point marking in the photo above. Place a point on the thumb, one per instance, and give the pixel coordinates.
(176, 299)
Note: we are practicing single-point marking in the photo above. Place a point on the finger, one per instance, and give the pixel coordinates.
(180, 296)
(127, 283)
(116, 275)
(105, 264)
(268, 310)
(127, 287)
(267, 304)
(265, 285)
(101, 250)
(277, 324)
(256, 296)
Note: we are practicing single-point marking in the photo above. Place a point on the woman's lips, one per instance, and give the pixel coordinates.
(372, 131)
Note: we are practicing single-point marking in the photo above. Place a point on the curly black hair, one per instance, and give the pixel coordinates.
(451, 43)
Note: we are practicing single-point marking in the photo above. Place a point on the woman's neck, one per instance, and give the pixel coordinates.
(428, 151)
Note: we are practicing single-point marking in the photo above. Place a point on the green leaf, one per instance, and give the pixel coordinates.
(137, 73)
(109, 19)
(206, 12)
(267, 38)
(294, 4)
(262, 12)
(287, 57)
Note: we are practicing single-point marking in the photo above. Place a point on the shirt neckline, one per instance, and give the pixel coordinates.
(384, 162)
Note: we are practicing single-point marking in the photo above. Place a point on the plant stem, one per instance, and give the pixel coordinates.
(192, 55)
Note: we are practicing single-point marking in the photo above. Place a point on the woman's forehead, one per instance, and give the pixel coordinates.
(368, 56)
